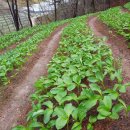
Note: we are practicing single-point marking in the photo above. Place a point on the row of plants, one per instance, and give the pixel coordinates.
(14, 59)
(75, 94)
(127, 5)
(16, 37)
(117, 20)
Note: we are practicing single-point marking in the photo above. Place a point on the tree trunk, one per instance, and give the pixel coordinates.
(109, 3)
(14, 12)
(93, 5)
(29, 17)
(16, 15)
(84, 4)
(55, 10)
(76, 8)
(10, 9)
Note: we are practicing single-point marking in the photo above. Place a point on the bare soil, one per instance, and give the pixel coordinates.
(123, 9)
(15, 102)
(119, 47)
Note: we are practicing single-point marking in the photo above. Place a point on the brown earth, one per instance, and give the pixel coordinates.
(118, 45)
(15, 99)
(123, 9)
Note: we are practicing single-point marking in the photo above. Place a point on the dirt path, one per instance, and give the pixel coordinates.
(120, 50)
(123, 9)
(17, 104)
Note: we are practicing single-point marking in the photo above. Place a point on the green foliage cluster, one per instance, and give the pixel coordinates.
(117, 20)
(14, 37)
(14, 59)
(127, 5)
(76, 85)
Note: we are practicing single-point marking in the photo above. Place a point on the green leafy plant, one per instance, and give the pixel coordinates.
(75, 85)
(118, 20)
(127, 5)
(14, 59)
(16, 37)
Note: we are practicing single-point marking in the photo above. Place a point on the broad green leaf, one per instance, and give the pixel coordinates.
(85, 106)
(114, 116)
(100, 117)
(117, 108)
(35, 124)
(43, 128)
(73, 69)
(99, 76)
(107, 102)
(61, 122)
(19, 128)
(128, 108)
(38, 113)
(112, 93)
(88, 73)
(119, 75)
(60, 112)
(90, 127)
(71, 87)
(59, 82)
(76, 126)
(51, 123)
(103, 111)
(92, 79)
(67, 79)
(75, 114)
(47, 115)
(95, 87)
(70, 97)
(69, 109)
(123, 103)
(83, 85)
(60, 96)
(38, 84)
(122, 89)
(49, 104)
(56, 90)
(92, 119)
(77, 79)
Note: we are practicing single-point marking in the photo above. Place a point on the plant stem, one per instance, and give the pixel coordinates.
(68, 125)
(103, 85)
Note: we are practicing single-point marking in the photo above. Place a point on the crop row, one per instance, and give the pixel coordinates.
(15, 58)
(117, 20)
(127, 5)
(15, 37)
(76, 84)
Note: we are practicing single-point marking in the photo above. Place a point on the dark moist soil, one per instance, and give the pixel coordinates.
(119, 47)
(123, 9)
(14, 100)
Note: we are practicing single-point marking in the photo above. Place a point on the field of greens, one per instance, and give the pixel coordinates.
(14, 37)
(76, 84)
(127, 5)
(14, 59)
(120, 21)
(84, 82)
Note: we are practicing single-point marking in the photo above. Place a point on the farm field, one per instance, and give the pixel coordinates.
(127, 5)
(67, 75)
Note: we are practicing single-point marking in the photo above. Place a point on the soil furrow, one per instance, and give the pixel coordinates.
(123, 9)
(15, 107)
(120, 50)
